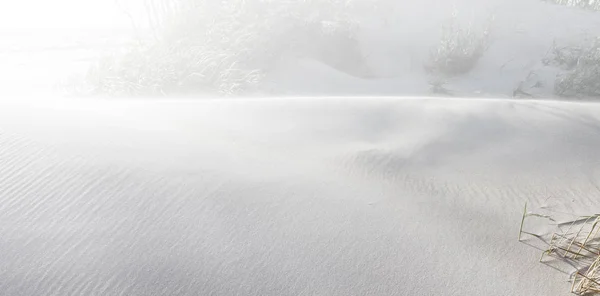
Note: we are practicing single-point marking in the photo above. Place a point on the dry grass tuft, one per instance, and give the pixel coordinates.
(576, 243)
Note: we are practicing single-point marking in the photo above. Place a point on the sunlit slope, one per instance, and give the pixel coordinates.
(286, 196)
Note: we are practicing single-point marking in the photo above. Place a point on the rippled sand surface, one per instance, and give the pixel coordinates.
(286, 196)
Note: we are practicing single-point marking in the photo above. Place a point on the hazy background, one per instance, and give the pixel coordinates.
(510, 48)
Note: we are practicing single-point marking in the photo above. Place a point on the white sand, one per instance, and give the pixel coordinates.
(286, 196)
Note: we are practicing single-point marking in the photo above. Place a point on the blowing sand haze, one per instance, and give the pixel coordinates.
(325, 196)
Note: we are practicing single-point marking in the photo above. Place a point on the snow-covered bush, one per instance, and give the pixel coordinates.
(580, 65)
(224, 47)
(459, 49)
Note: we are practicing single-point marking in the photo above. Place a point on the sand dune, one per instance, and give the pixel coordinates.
(286, 196)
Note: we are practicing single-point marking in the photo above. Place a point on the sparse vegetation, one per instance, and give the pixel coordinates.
(228, 47)
(225, 47)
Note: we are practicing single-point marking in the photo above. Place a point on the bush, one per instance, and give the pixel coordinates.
(223, 47)
(580, 67)
(459, 49)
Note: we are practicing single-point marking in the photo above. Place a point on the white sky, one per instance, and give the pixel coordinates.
(61, 14)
